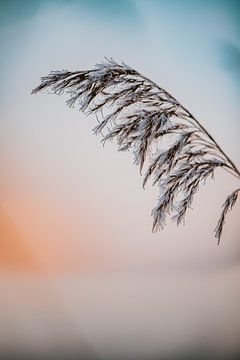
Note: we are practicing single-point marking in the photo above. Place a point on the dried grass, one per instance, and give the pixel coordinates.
(177, 151)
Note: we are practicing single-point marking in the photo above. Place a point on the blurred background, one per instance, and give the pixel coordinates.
(81, 274)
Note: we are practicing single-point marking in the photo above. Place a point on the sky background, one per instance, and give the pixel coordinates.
(80, 270)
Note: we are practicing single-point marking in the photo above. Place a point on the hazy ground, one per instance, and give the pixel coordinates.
(121, 316)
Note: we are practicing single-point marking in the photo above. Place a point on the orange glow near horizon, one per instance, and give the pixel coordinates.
(40, 240)
(15, 255)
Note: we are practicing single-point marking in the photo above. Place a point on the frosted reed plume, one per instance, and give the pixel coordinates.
(175, 150)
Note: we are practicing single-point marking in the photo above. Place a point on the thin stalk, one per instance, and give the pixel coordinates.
(200, 126)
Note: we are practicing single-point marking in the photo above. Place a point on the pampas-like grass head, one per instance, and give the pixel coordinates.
(176, 151)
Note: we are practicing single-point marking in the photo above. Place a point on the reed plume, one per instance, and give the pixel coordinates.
(175, 150)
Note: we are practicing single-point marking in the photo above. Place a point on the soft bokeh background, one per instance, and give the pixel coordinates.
(81, 274)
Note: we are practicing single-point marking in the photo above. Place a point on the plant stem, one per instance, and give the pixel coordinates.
(233, 167)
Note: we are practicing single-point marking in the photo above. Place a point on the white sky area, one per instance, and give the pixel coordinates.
(66, 194)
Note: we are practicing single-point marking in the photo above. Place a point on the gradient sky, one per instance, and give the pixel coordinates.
(54, 192)
(68, 206)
